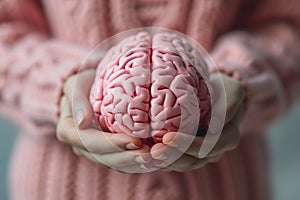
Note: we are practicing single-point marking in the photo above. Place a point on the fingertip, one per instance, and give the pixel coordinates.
(158, 146)
(136, 143)
(169, 137)
(157, 149)
(132, 146)
(126, 141)
(178, 140)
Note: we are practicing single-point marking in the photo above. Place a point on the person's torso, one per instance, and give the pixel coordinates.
(90, 22)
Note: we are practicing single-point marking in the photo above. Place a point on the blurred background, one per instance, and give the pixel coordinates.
(284, 138)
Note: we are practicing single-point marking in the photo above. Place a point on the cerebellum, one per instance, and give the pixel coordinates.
(150, 84)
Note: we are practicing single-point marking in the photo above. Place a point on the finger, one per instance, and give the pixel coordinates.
(136, 168)
(176, 159)
(227, 141)
(191, 145)
(233, 94)
(77, 90)
(65, 110)
(66, 122)
(102, 142)
(94, 140)
(117, 160)
(166, 154)
(181, 166)
(184, 143)
(123, 158)
(139, 168)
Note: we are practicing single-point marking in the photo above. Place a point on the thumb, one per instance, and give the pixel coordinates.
(77, 90)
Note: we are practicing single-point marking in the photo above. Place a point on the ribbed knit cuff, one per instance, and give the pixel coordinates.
(265, 99)
(43, 89)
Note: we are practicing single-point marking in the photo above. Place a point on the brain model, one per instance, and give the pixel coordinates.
(148, 85)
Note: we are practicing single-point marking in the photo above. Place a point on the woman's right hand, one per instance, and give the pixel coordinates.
(118, 151)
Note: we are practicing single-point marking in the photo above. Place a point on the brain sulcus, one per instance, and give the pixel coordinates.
(150, 84)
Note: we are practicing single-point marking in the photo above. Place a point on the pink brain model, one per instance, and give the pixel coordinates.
(148, 85)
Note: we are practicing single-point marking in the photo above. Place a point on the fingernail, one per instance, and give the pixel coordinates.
(140, 159)
(142, 166)
(79, 116)
(162, 157)
(170, 140)
(131, 146)
(148, 167)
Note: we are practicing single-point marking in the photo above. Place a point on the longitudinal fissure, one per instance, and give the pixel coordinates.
(150, 51)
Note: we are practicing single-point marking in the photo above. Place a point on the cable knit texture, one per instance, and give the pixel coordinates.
(42, 42)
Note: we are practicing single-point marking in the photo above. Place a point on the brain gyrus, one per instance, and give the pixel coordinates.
(150, 84)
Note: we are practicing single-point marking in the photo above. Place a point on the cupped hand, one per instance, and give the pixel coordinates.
(173, 142)
(118, 151)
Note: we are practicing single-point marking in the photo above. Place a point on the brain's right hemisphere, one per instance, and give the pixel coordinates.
(148, 85)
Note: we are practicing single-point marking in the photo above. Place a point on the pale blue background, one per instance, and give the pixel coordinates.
(284, 138)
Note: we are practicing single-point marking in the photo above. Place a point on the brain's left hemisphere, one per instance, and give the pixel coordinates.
(121, 95)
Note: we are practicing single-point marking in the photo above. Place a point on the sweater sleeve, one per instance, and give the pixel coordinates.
(33, 66)
(265, 55)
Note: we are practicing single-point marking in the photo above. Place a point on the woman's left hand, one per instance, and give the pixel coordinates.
(228, 140)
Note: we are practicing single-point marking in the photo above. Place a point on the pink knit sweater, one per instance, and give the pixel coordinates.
(41, 43)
